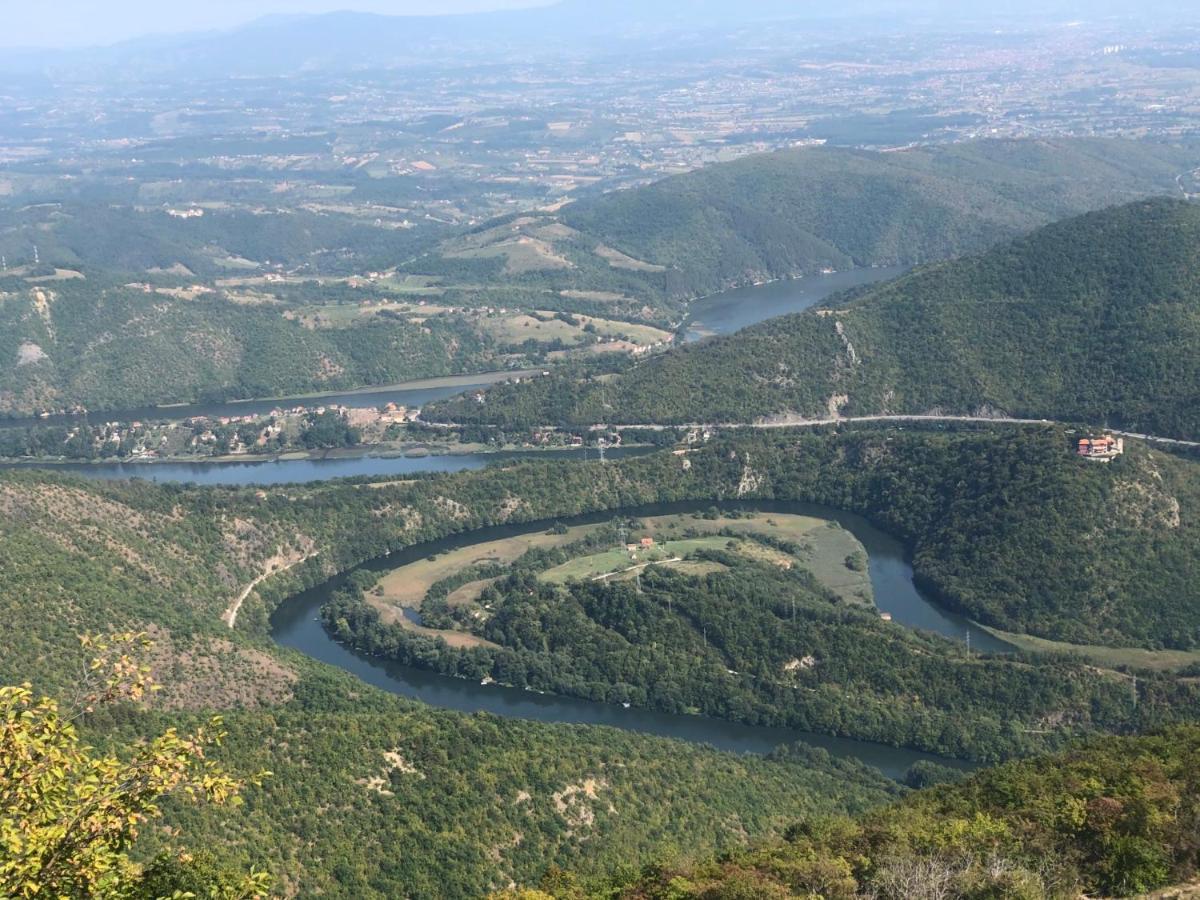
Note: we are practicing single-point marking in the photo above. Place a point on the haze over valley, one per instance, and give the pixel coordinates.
(637, 450)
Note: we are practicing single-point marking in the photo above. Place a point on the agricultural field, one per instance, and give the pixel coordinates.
(1106, 657)
(821, 547)
(824, 549)
(546, 327)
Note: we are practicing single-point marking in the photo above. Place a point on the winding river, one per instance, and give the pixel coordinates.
(295, 624)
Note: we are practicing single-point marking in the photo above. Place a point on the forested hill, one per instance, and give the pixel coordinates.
(799, 211)
(378, 796)
(1114, 819)
(1096, 319)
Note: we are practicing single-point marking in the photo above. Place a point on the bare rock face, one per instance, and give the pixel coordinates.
(29, 354)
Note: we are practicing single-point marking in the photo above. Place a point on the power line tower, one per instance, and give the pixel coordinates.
(602, 443)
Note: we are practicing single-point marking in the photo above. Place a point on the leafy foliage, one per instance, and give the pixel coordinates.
(68, 818)
(1113, 818)
(795, 212)
(731, 644)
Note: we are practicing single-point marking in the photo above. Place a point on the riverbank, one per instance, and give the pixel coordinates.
(295, 624)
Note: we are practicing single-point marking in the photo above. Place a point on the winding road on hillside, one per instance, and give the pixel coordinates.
(850, 420)
(784, 423)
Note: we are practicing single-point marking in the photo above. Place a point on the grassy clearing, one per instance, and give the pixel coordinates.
(393, 615)
(826, 557)
(516, 328)
(521, 255)
(468, 593)
(408, 585)
(619, 260)
(617, 561)
(411, 284)
(1105, 657)
(827, 550)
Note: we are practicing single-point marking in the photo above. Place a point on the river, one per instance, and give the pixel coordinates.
(295, 624)
(299, 471)
(734, 310)
(719, 314)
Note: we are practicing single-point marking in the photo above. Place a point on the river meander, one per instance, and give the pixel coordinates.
(295, 624)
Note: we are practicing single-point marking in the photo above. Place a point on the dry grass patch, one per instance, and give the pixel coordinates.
(619, 260)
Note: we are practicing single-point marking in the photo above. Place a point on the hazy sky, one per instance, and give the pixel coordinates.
(60, 23)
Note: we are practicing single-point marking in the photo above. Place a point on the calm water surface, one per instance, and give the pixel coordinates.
(733, 310)
(298, 471)
(295, 624)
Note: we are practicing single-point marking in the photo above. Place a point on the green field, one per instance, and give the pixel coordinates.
(618, 561)
(1105, 657)
(408, 585)
(826, 549)
(516, 328)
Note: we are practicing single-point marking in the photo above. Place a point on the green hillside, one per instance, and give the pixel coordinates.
(798, 211)
(1094, 319)
(110, 346)
(649, 250)
(476, 801)
(1115, 818)
(375, 796)
(133, 306)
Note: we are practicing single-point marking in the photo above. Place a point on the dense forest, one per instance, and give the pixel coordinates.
(761, 645)
(1094, 319)
(798, 212)
(1113, 818)
(363, 781)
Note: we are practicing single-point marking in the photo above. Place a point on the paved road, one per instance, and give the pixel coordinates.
(849, 420)
(816, 423)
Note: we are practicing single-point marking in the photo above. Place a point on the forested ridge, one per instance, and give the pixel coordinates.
(796, 212)
(1094, 319)
(1114, 818)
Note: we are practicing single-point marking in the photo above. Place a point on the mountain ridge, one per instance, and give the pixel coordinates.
(1094, 319)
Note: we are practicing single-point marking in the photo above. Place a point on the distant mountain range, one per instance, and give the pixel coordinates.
(343, 41)
(1095, 319)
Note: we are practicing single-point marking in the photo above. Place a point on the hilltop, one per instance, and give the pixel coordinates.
(1093, 319)
(801, 211)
